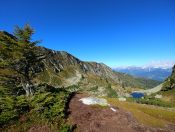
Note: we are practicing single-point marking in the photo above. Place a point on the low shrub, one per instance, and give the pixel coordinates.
(154, 101)
(67, 128)
(47, 106)
(111, 93)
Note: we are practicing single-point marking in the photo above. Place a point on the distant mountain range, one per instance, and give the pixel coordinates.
(151, 72)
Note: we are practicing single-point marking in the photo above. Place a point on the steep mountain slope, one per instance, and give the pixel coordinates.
(133, 81)
(63, 70)
(169, 83)
(67, 66)
(155, 73)
(168, 88)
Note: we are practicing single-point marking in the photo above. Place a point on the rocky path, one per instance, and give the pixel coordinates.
(103, 119)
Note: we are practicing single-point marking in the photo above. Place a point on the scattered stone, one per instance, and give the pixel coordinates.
(127, 95)
(122, 99)
(158, 96)
(113, 109)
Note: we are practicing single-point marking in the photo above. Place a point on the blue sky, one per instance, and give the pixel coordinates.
(115, 32)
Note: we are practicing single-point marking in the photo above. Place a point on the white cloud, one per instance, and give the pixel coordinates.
(153, 64)
(160, 64)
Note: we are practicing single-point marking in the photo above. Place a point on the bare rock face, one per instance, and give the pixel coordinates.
(60, 60)
(66, 66)
(62, 69)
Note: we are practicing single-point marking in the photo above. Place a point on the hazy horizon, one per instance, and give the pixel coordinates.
(156, 64)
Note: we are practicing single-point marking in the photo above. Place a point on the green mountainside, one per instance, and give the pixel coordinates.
(36, 83)
(62, 70)
(168, 89)
(132, 81)
(169, 83)
(26, 105)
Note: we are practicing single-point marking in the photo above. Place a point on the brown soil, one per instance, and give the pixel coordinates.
(103, 119)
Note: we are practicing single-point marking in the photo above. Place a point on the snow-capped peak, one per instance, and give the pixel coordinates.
(153, 64)
(160, 64)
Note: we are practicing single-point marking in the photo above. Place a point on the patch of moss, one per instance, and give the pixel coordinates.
(68, 72)
(93, 89)
(50, 77)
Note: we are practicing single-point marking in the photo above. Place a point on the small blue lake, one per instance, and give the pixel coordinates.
(137, 95)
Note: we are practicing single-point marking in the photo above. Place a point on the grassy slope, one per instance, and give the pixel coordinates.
(131, 81)
(88, 81)
(168, 90)
(152, 90)
(148, 115)
(168, 96)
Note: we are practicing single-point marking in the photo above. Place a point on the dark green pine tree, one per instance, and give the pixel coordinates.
(19, 53)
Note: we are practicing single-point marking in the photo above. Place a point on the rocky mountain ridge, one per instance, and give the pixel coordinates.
(61, 59)
(63, 69)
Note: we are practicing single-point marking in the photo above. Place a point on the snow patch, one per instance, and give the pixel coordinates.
(94, 101)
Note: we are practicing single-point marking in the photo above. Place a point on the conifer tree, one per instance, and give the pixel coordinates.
(18, 53)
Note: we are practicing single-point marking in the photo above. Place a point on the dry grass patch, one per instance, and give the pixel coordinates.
(169, 95)
(145, 114)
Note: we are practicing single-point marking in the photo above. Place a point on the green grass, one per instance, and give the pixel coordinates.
(148, 115)
(168, 96)
(93, 89)
(154, 101)
(111, 92)
(50, 77)
(162, 114)
(135, 82)
(68, 72)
